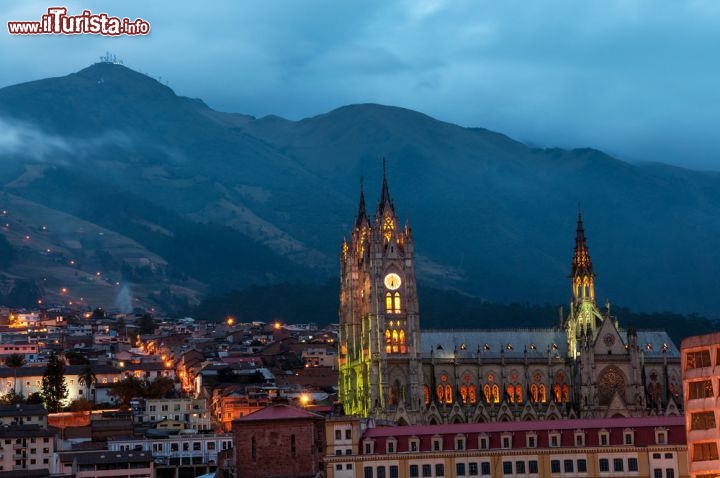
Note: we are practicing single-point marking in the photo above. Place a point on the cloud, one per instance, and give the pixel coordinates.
(22, 139)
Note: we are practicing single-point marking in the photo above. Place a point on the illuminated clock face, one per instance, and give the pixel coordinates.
(392, 281)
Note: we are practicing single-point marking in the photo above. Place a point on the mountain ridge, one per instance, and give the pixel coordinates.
(492, 217)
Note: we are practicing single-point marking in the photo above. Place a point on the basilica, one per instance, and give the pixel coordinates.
(588, 366)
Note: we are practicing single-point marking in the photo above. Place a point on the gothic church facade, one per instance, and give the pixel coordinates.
(586, 367)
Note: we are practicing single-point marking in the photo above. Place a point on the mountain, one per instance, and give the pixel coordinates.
(227, 200)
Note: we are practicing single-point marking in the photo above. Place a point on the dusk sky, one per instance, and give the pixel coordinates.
(637, 79)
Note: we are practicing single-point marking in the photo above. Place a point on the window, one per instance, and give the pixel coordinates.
(702, 421)
(705, 451)
(604, 438)
(506, 441)
(669, 455)
(657, 473)
(437, 444)
(348, 466)
(348, 434)
(460, 443)
(520, 467)
(472, 469)
(394, 471)
(582, 465)
(380, 472)
(533, 466)
(368, 472)
(579, 439)
(661, 437)
(414, 471)
(483, 443)
(338, 466)
(700, 389)
(507, 467)
(338, 452)
(669, 473)
(531, 441)
(439, 469)
(391, 447)
(368, 448)
(618, 464)
(427, 470)
(604, 464)
(338, 434)
(632, 464)
(698, 359)
(555, 466)
(485, 468)
(568, 466)
(414, 445)
(628, 436)
(554, 440)
(460, 469)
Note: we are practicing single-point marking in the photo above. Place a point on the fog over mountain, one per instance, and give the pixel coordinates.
(216, 201)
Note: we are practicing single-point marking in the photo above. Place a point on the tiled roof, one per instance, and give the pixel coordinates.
(467, 342)
(279, 412)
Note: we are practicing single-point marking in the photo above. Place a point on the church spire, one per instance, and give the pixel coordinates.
(582, 272)
(385, 201)
(362, 218)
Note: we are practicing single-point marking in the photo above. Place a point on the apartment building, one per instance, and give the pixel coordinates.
(700, 359)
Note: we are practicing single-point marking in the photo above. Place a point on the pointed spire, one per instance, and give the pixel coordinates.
(362, 217)
(581, 263)
(385, 200)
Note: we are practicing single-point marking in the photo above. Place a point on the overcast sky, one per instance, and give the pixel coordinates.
(637, 79)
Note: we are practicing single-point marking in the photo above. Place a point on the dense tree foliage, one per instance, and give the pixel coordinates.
(54, 389)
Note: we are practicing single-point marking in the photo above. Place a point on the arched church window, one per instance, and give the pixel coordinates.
(534, 393)
(388, 303)
(463, 394)
(426, 391)
(440, 393)
(402, 337)
(510, 392)
(557, 395)
(388, 227)
(486, 392)
(518, 393)
(495, 393)
(396, 303)
(472, 394)
(448, 394)
(543, 393)
(566, 393)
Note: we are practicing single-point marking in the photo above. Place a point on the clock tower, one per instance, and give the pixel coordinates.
(380, 368)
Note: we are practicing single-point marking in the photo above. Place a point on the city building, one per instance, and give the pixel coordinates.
(587, 367)
(193, 413)
(107, 464)
(26, 448)
(178, 455)
(701, 387)
(24, 414)
(279, 441)
(651, 447)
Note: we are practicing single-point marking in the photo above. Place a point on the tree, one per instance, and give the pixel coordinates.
(54, 389)
(124, 390)
(11, 398)
(87, 379)
(146, 324)
(15, 361)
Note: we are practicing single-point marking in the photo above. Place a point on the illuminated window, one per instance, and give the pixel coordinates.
(388, 227)
(440, 393)
(463, 394)
(700, 389)
(511, 393)
(486, 392)
(426, 390)
(543, 395)
(496, 393)
(448, 394)
(388, 303)
(472, 394)
(518, 393)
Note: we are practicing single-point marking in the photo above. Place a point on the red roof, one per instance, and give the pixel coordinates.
(279, 412)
